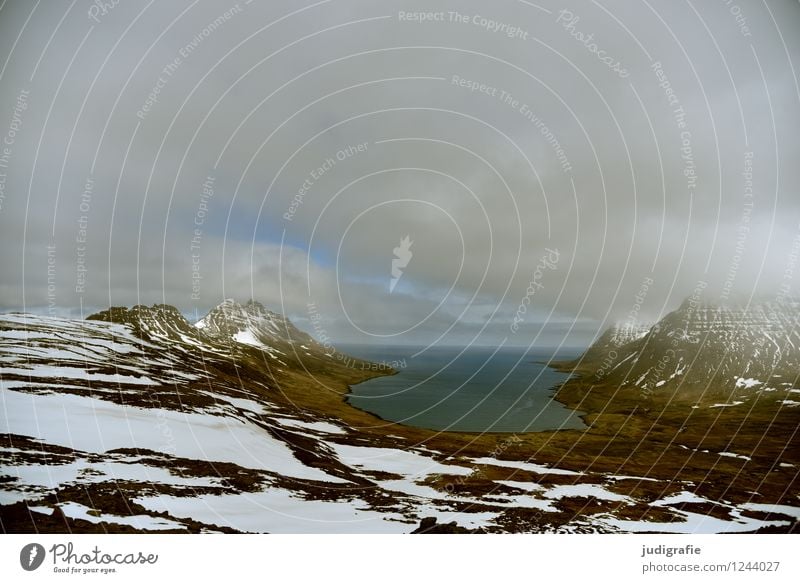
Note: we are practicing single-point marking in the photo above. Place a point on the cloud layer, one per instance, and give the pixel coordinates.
(191, 151)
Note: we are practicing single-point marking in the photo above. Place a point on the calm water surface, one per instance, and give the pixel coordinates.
(477, 389)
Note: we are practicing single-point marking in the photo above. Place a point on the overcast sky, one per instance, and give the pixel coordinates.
(548, 163)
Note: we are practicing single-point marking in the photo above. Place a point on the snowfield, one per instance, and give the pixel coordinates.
(279, 511)
(92, 425)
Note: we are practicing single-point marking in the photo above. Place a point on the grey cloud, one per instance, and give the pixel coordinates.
(632, 215)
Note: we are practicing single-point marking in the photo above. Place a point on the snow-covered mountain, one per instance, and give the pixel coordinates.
(158, 321)
(704, 347)
(135, 420)
(253, 325)
(249, 323)
(229, 327)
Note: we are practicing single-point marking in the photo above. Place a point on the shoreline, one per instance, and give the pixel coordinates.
(618, 439)
(554, 389)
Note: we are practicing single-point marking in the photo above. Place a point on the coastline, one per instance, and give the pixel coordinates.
(620, 439)
(554, 389)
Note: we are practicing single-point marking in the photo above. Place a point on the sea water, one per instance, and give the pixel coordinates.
(472, 389)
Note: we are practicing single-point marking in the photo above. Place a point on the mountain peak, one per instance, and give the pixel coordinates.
(249, 323)
(232, 308)
(704, 344)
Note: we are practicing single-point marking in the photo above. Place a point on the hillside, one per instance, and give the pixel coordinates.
(705, 352)
(135, 420)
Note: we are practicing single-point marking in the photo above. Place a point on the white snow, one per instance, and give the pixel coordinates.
(726, 404)
(111, 345)
(789, 403)
(278, 511)
(680, 497)
(142, 521)
(8, 496)
(35, 477)
(693, 524)
(247, 337)
(527, 486)
(517, 501)
(637, 478)
(411, 488)
(743, 383)
(464, 519)
(26, 335)
(394, 461)
(50, 354)
(239, 403)
(584, 490)
(526, 466)
(734, 455)
(67, 372)
(93, 425)
(321, 426)
(105, 334)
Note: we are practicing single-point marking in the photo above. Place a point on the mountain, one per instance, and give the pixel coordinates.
(135, 420)
(704, 348)
(161, 321)
(252, 324)
(247, 329)
(116, 422)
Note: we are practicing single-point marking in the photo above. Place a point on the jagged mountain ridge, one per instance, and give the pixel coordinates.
(157, 321)
(228, 326)
(704, 346)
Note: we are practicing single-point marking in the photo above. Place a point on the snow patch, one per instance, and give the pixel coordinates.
(278, 511)
(247, 337)
(692, 524)
(734, 455)
(680, 498)
(96, 426)
(142, 522)
(725, 404)
(527, 486)
(743, 383)
(239, 403)
(586, 491)
(321, 426)
(525, 466)
(464, 519)
(394, 461)
(66, 372)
